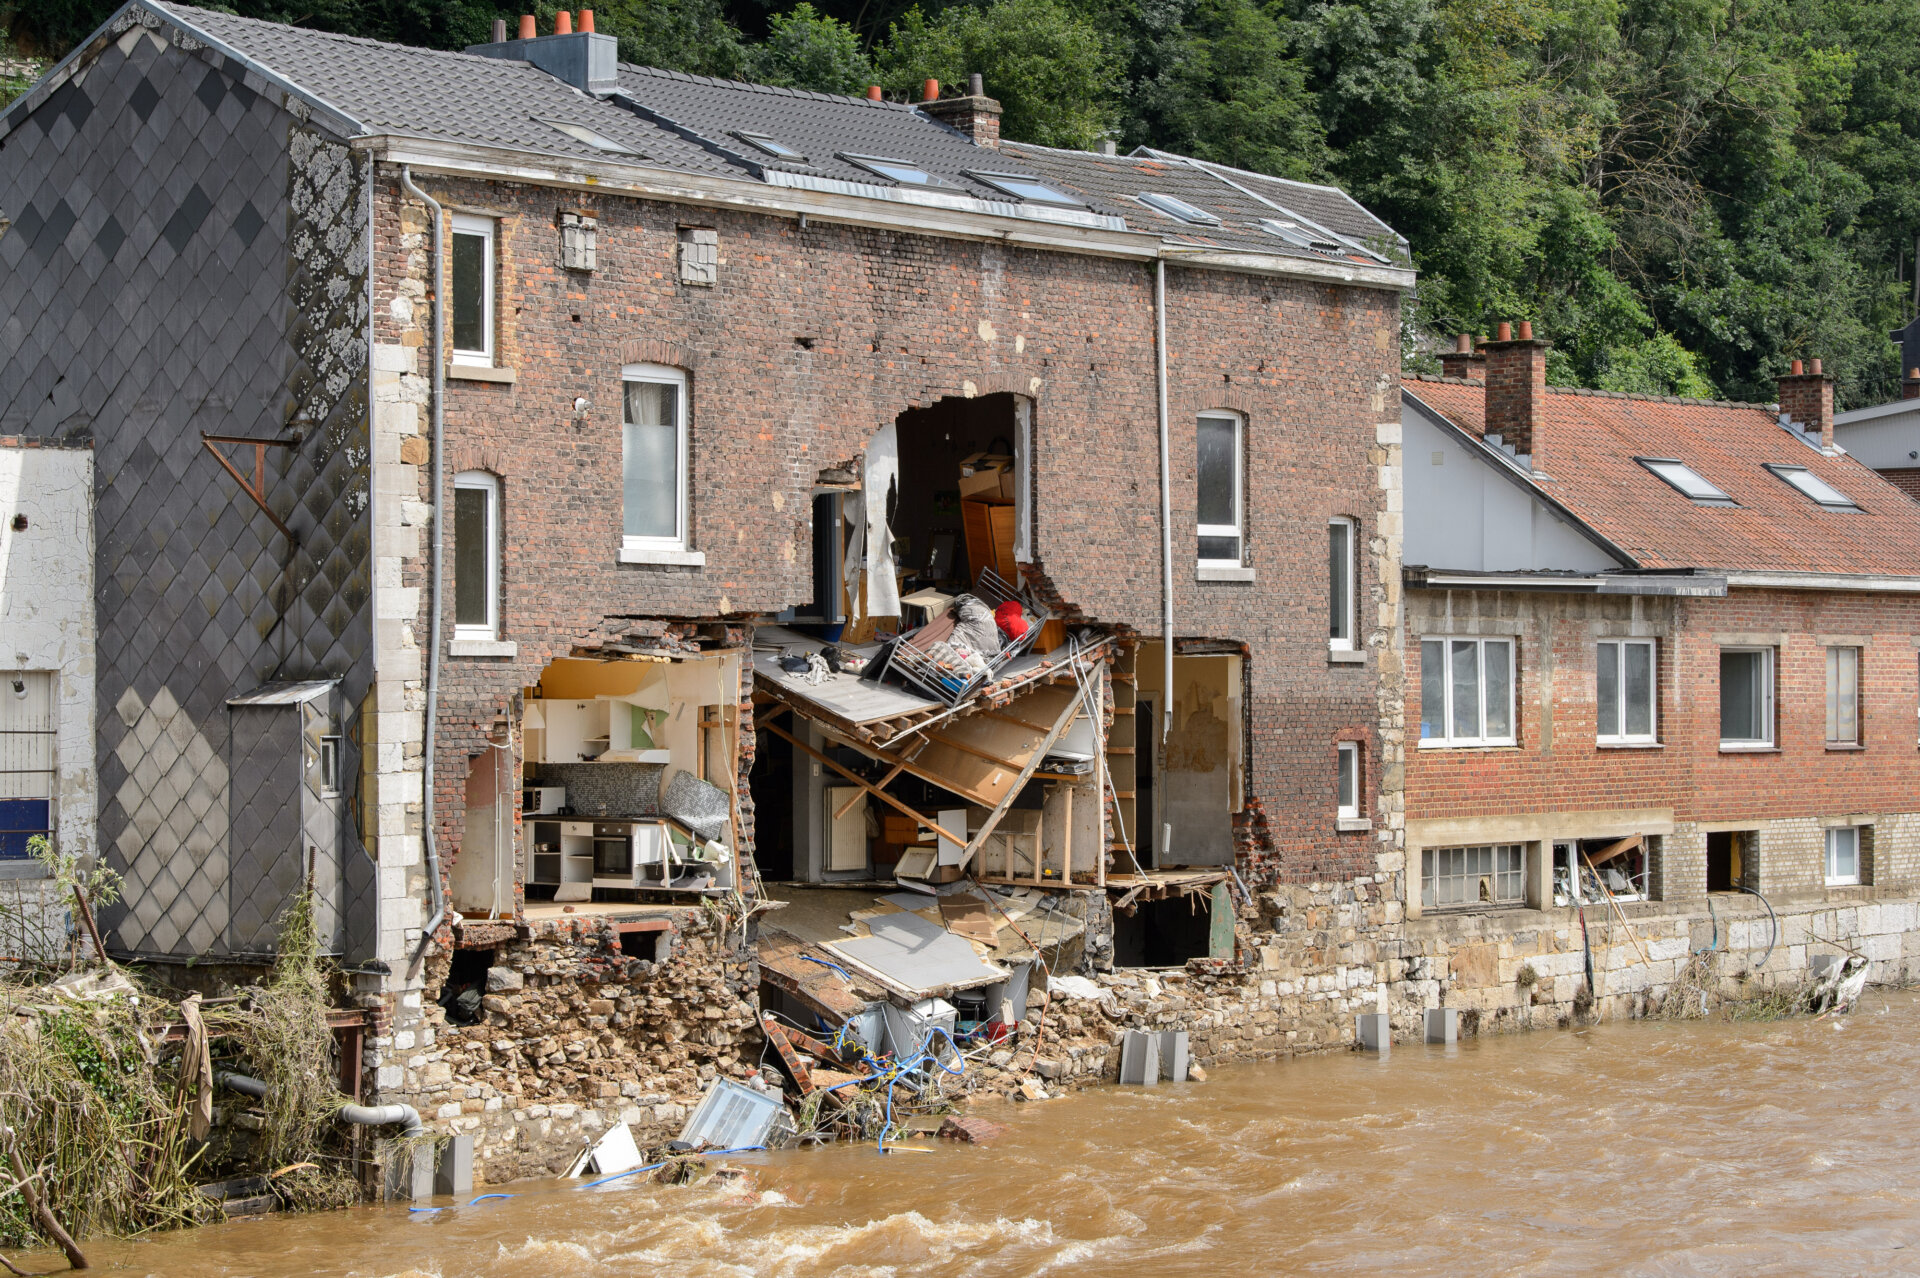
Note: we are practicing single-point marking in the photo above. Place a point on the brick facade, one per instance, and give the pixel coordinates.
(1687, 780)
(814, 337)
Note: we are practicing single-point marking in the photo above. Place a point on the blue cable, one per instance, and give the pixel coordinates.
(808, 958)
(738, 1149)
(470, 1202)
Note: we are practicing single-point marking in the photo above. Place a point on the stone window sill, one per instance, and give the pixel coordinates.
(671, 558)
(1630, 745)
(1352, 825)
(482, 373)
(1346, 656)
(1464, 745)
(1222, 572)
(1729, 748)
(483, 648)
(1841, 747)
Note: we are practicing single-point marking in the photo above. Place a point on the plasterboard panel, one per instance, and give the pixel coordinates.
(917, 955)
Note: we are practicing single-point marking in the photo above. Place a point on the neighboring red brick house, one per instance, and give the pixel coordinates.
(1665, 646)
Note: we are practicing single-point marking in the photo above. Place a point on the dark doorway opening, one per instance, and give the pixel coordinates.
(1729, 859)
(466, 983)
(1163, 933)
(948, 526)
(771, 785)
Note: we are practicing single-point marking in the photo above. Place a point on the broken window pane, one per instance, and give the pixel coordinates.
(1487, 875)
(652, 459)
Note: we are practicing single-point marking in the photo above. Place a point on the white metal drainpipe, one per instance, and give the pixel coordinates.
(1166, 514)
(433, 592)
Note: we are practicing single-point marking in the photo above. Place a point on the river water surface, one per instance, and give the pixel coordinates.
(1784, 1148)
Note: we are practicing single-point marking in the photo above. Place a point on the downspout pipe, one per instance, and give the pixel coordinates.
(439, 417)
(359, 1115)
(1166, 496)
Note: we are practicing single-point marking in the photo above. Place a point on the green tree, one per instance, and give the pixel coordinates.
(1056, 74)
(805, 49)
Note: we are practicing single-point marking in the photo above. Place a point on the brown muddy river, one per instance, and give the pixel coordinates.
(1787, 1148)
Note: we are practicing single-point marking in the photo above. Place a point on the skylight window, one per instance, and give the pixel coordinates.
(771, 146)
(1178, 209)
(1816, 489)
(1297, 235)
(1026, 188)
(898, 170)
(581, 133)
(1687, 480)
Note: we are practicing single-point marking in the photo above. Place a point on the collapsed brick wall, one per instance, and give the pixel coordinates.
(576, 1036)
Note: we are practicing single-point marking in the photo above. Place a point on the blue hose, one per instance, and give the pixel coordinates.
(470, 1202)
(808, 958)
(738, 1149)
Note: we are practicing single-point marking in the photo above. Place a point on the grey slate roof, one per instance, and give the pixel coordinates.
(688, 123)
(1241, 201)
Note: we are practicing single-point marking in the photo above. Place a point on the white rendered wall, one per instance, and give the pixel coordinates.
(46, 609)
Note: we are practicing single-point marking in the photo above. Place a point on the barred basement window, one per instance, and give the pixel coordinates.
(1493, 874)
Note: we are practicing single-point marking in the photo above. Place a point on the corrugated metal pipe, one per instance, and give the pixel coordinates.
(358, 1115)
(439, 415)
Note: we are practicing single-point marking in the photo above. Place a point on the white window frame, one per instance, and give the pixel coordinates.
(1347, 781)
(1427, 861)
(331, 761)
(1827, 857)
(1768, 678)
(1622, 737)
(487, 229)
(1238, 529)
(672, 549)
(1344, 643)
(1446, 642)
(483, 481)
(1858, 657)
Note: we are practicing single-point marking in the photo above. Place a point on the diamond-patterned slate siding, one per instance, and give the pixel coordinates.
(173, 269)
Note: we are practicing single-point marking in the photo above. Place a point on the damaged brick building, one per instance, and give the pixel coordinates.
(494, 544)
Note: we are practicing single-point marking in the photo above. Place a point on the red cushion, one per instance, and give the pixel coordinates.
(1011, 619)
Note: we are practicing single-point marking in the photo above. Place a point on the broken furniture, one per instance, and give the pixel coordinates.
(632, 853)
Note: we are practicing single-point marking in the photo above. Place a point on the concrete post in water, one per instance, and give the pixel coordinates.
(1443, 1025)
(1373, 1033)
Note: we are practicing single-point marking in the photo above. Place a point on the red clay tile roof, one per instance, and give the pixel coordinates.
(1587, 443)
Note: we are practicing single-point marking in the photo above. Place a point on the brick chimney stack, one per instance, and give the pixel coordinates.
(1807, 398)
(1463, 360)
(1516, 373)
(975, 114)
(1910, 384)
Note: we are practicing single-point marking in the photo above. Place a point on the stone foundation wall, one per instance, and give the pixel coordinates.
(577, 1034)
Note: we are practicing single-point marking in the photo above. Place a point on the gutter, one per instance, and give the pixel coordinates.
(1670, 584)
(1823, 581)
(434, 588)
(881, 208)
(1166, 511)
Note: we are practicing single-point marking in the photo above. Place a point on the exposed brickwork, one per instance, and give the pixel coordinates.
(1516, 377)
(813, 338)
(1808, 398)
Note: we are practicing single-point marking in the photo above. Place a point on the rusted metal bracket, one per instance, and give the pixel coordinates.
(258, 488)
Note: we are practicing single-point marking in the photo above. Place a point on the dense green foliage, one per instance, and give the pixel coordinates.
(1682, 194)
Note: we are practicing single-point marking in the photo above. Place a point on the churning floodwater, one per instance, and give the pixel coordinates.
(1673, 1148)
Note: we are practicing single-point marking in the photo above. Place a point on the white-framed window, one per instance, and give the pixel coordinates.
(1491, 874)
(1698, 489)
(472, 286)
(476, 555)
(330, 757)
(1746, 698)
(1348, 780)
(654, 457)
(1340, 576)
(1221, 483)
(1843, 696)
(1466, 692)
(1843, 855)
(29, 736)
(1623, 691)
(1814, 488)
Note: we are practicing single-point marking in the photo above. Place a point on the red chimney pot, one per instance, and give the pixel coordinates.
(1526, 330)
(873, 92)
(527, 30)
(1797, 370)
(930, 91)
(586, 21)
(563, 25)
(1503, 332)
(1816, 366)
(1463, 344)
